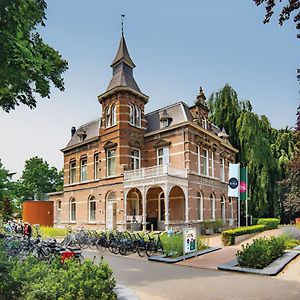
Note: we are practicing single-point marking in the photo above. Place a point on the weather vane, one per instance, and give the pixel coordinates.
(122, 23)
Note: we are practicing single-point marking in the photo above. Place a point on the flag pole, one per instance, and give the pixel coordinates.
(246, 196)
(239, 200)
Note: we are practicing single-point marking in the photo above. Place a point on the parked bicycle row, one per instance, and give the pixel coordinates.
(117, 242)
(48, 250)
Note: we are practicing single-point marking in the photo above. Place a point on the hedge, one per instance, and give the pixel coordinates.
(228, 236)
(271, 223)
(261, 252)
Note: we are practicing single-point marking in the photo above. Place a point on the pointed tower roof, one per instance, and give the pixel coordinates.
(123, 54)
(122, 67)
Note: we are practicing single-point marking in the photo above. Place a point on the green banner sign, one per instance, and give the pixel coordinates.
(243, 183)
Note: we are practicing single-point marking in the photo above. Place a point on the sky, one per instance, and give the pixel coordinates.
(177, 46)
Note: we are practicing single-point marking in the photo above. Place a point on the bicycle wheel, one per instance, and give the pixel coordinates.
(122, 250)
(141, 251)
(150, 249)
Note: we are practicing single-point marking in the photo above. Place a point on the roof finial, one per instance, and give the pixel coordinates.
(122, 24)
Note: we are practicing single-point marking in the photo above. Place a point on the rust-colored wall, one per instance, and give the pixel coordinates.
(38, 212)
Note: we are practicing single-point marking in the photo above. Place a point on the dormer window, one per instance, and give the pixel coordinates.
(204, 122)
(165, 119)
(82, 135)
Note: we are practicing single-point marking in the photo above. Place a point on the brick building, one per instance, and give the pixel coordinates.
(167, 168)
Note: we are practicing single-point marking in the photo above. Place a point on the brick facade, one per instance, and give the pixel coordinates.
(165, 168)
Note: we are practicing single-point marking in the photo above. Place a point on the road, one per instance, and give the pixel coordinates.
(159, 281)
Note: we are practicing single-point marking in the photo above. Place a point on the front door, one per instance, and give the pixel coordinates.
(111, 215)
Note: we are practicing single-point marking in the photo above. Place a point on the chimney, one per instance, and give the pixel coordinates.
(73, 130)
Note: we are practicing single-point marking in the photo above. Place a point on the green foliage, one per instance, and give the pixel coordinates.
(38, 178)
(291, 243)
(271, 223)
(265, 151)
(36, 280)
(28, 66)
(254, 221)
(261, 252)
(228, 236)
(173, 244)
(47, 232)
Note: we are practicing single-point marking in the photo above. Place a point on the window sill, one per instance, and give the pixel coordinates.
(110, 126)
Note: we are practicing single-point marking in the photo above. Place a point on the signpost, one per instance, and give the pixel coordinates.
(234, 186)
(189, 240)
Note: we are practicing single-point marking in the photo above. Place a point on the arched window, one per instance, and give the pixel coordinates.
(138, 117)
(223, 209)
(131, 114)
(230, 208)
(200, 206)
(72, 210)
(212, 206)
(113, 115)
(92, 209)
(111, 197)
(107, 117)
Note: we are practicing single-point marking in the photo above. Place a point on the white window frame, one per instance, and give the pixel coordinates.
(131, 114)
(212, 206)
(113, 115)
(206, 160)
(138, 117)
(72, 172)
(230, 201)
(107, 117)
(96, 166)
(222, 169)
(200, 206)
(212, 164)
(82, 169)
(110, 159)
(198, 160)
(135, 159)
(58, 205)
(165, 157)
(92, 200)
(223, 205)
(72, 204)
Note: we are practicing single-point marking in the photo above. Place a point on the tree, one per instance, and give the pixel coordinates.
(38, 178)
(5, 194)
(297, 126)
(27, 65)
(225, 109)
(289, 8)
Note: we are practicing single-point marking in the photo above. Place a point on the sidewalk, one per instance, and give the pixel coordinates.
(227, 253)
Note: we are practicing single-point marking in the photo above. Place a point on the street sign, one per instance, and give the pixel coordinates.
(189, 240)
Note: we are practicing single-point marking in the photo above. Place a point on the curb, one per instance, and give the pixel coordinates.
(271, 270)
(124, 293)
(181, 258)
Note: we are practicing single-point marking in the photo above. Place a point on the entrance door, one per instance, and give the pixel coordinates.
(111, 211)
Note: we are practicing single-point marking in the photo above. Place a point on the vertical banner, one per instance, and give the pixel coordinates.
(234, 180)
(243, 183)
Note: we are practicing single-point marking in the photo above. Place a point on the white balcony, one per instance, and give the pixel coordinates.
(156, 171)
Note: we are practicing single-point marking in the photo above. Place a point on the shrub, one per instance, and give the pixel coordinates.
(261, 252)
(32, 279)
(271, 223)
(173, 244)
(47, 232)
(291, 243)
(228, 236)
(254, 221)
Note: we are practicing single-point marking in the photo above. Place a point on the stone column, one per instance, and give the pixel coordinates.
(166, 192)
(144, 203)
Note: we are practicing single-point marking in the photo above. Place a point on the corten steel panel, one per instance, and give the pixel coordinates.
(38, 212)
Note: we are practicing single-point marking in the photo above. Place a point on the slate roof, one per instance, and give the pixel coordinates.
(123, 69)
(91, 130)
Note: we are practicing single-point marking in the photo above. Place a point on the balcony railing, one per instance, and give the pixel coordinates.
(155, 171)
